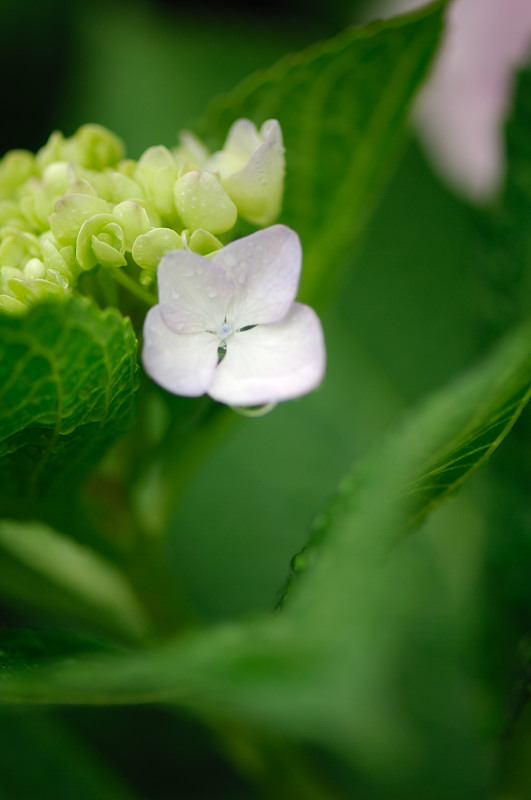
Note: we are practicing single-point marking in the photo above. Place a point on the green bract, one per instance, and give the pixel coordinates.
(78, 205)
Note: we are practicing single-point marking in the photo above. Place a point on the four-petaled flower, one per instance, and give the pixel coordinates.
(229, 325)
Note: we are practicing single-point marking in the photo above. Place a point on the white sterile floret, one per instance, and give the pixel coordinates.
(229, 325)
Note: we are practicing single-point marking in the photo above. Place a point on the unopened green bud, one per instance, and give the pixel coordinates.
(202, 202)
(59, 259)
(123, 188)
(38, 197)
(82, 186)
(149, 248)
(58, 176)
(100, 241)
(15, 168)
(55, 277)
(70, 213)
(51, 151)
(133, 220)
(10, 305)
(37, 203)
(203, 242)
(12, 216)
(30, 291)
(22, 290)
(127, 167)
(98, 181)
(7, 274)
(92, 146)
(156, 173)
(251, 168)
(34, 268)
(17, 246)
(95, 147)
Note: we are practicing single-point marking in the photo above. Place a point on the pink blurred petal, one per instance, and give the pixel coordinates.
(461, 111)
(271, 363)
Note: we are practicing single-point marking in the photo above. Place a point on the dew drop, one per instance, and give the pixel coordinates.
(147, 278)
(224, 331)
(211, 292)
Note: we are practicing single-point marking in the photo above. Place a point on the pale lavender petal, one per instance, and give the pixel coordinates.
(461, 111)
(271, 363)
(265, 269)
(242, 139)
(181, 364)
(257, 188)
(194, 293)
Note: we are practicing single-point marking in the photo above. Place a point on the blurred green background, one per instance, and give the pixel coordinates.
(414, 310)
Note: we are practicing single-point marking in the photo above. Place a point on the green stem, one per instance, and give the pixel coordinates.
(132, 286)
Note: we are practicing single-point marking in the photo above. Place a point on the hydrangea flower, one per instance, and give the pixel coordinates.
(229, 325)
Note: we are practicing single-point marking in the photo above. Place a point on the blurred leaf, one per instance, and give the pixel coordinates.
(498, 259)
(24, 651)
(67, 382)
(61, 766)
(353, 661)
(45, 570)
(498, 265)
(343, 107)
(436, 450)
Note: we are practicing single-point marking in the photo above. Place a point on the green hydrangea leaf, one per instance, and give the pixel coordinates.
(432, 454)
(46, 571)
(365, 625)
(445, 441)
(67, 386)
(343, 106)
(61, 765)
(498, 257)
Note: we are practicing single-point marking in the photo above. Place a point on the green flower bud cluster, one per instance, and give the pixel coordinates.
(78, 203)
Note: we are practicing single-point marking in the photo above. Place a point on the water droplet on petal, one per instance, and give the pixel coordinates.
(211, 292)
(225, 330)
(175, 295)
